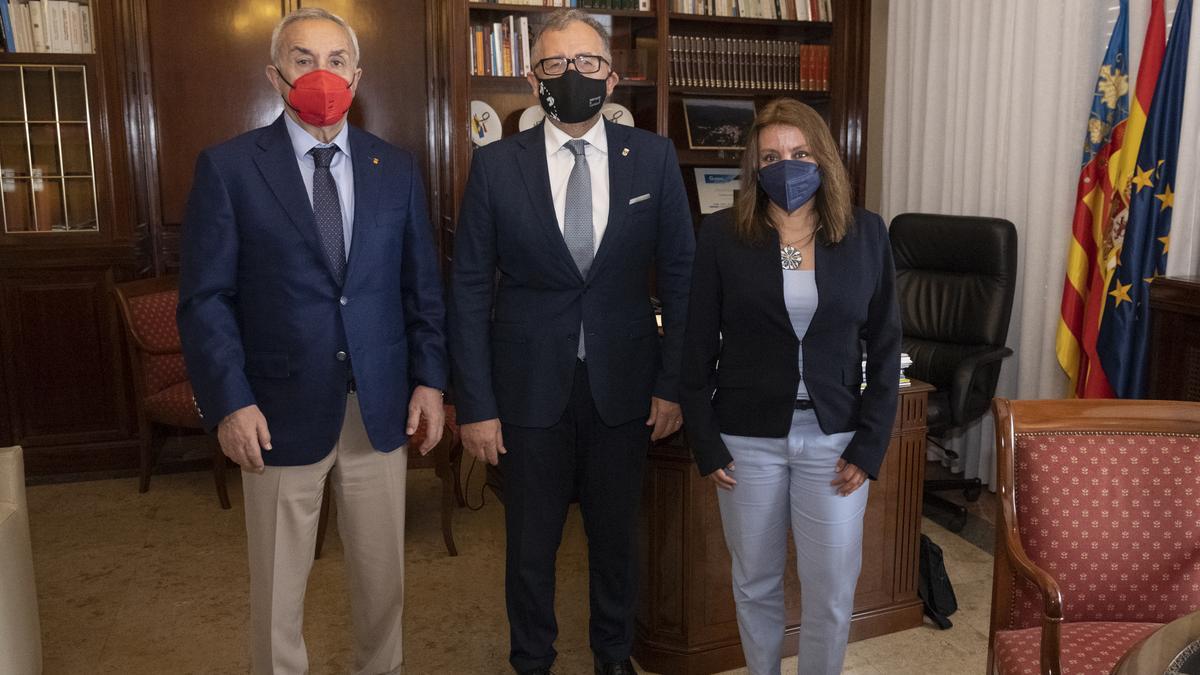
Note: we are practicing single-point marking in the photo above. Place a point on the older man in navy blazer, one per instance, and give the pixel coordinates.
(311, 314)
(559, 372)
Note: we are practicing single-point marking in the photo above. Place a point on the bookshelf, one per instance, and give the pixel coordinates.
(656, 100)
(67, 234)
(47, 174)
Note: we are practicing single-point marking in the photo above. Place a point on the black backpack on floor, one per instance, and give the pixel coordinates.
(933, 585)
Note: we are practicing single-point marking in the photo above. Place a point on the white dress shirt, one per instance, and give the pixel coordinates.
(341, 168)
(560, 160)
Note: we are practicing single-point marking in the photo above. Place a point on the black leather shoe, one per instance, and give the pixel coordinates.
(614, 667)
(537, 671)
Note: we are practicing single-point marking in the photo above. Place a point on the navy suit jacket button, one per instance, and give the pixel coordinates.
(340, 356)
(342, 300)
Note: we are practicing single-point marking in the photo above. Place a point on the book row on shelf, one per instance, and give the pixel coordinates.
(778, 65)
(786, 10)
(501, 48)
(905, 362)
(643, 5)
(46, 26)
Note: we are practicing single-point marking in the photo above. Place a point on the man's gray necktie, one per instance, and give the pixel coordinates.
(577, 217)
(327, 209)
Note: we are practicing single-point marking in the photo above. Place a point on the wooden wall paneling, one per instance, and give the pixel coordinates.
(138, 107)
(63, 348)
(207, 79)
(440, 119)
(460, 55)
(111, 159)
(849, 81)
(393, 97)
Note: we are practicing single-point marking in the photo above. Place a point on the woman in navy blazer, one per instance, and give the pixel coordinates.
(790, 288)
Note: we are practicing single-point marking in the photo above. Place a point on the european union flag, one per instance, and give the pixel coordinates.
(1144, 238)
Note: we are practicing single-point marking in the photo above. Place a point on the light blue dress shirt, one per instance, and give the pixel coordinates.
(800, 297)
(341, 168)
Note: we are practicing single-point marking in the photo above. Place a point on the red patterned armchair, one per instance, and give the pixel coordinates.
(1098, 533)
(164, 395)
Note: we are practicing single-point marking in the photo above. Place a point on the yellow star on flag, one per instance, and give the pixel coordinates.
(1143, 178)
(1166, 242)
(1167, 198)
(1121, 293)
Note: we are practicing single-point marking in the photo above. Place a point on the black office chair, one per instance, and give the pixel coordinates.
(955, 278)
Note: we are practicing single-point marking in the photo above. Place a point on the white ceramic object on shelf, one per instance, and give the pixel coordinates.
(617, 114)
(485, 124)
(531, 117)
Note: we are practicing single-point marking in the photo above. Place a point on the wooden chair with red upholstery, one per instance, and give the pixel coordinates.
(164, 395)
(1098, 530)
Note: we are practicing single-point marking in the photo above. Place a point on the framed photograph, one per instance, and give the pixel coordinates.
(715, 188)
(717, 123)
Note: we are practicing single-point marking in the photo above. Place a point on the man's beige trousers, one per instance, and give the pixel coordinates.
(282, 508)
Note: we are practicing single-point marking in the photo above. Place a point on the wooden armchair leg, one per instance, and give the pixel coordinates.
(323, 520)
(150, 439)
(445, 471)
(447, 515)
(456, 455)
(219, 471)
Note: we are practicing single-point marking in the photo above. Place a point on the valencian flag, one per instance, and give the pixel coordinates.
(1142, 241)
(1090, 269)
(1093, 199)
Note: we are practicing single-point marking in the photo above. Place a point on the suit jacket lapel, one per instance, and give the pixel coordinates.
(277, 164)
(367, 185)
(535, 173)
(620, 181)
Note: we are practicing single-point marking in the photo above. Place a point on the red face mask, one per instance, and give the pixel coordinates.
(320, 97)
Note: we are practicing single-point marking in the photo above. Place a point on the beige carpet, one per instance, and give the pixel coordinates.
(156, 583)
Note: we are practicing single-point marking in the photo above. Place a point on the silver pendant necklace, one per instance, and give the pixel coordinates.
(790, 257)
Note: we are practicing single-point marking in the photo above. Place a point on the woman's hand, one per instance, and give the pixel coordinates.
(849, 478)
(722, 479)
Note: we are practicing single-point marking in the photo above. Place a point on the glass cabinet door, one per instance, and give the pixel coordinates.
(47, 174)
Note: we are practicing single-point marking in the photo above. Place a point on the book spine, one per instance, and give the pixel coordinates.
(74, 12)
(19, 13)
(488, 68)
(38, 25)
(85, 26)
(526, 65)
(62, 29)
(10, 44)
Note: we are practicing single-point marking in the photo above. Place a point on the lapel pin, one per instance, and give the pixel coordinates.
(375, 161)
(624, 152)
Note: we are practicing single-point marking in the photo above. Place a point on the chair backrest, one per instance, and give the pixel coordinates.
(955, 279)
(148, 309)
(1105, 497)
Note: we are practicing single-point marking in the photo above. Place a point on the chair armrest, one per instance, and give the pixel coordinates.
(964, 382)
(1052, 615)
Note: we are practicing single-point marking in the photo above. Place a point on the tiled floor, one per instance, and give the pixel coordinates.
(156, 583)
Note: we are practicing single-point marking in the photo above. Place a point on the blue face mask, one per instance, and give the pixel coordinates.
(790, 183)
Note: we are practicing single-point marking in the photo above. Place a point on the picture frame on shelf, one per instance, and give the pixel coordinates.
(716, 187)
(717, 123)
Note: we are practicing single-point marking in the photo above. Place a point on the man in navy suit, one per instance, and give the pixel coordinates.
(560, 375)
(311, 314)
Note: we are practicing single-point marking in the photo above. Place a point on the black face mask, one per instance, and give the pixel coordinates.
(572, 98)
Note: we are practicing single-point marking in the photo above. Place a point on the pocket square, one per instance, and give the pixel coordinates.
(641, 198)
